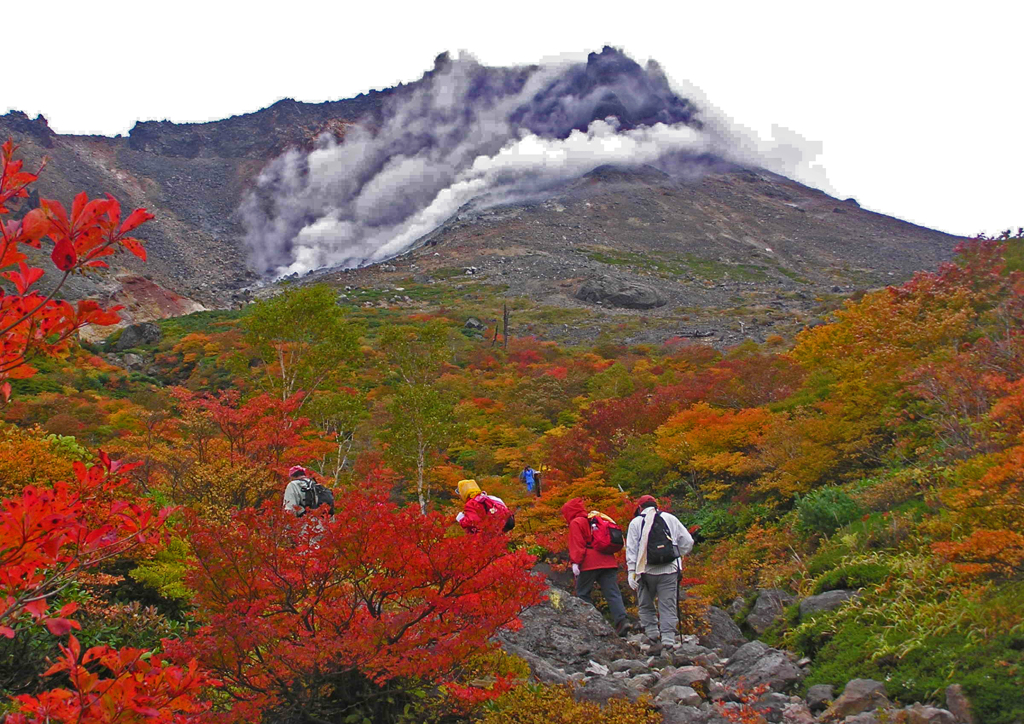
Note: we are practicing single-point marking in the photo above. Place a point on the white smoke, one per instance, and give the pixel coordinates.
(466, 132)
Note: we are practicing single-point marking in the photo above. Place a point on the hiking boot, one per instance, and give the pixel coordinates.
(655, 649)
(622, 627)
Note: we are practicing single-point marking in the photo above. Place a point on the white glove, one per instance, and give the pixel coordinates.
(575, 570)
(633, 583)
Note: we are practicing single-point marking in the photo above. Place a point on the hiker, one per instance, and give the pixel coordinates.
(591, 564)
(655, 545)
(303, 493)
(478, 505)
(531, 479)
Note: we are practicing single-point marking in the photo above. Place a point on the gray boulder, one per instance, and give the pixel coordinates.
(828, 601)
(694, 677)
(922, 714)
(797, 713)
(757, 663)
(618, 293)
(632, 666)
(725, 635)
(678, 695)
(133, 361)
(681, 714)
(820, 696)
(859, 696)
(138, 335)
(771, 706)
(867, 717)
(474, 323)
(602, 688)
(541, 670)
(643, 682)
(769, 606)
(958, 704)
(566, 632)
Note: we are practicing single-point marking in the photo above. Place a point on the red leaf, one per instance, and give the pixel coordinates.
(61, 626)
(7, 632)
(64, 256)
(134, 220)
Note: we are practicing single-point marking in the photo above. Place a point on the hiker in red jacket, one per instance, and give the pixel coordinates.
(590, 566)
(481, 507)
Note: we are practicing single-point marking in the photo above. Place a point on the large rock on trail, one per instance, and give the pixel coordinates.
(859, 696)
(767, 608)
(757, 663)
(828, 601)
(724, 634)
(602, 688)
(567, 632)
(618, 293)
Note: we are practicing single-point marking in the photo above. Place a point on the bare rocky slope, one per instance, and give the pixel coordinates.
(728, 253)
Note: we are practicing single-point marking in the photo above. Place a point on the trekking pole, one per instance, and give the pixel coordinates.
(679, 615)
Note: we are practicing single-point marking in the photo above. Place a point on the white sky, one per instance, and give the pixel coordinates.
(918, 105)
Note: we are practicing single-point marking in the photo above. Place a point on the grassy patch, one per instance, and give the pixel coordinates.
(670, 265)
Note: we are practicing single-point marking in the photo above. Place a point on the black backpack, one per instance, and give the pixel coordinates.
(660, 547)
(314, 495)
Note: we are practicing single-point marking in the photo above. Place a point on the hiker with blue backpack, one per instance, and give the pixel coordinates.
(594, 539)
(656, 542)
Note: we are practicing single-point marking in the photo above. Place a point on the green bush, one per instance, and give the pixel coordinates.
(826, 510)
(991, 673)
(857, 575)
(718, 522)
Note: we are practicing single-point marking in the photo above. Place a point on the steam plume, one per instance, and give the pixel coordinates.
(465, 132)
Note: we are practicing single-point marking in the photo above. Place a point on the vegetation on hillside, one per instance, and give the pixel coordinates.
(882, 451)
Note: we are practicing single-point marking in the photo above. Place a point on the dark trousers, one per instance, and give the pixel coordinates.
(608, 579)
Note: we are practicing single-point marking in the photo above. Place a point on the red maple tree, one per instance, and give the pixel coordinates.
(374, 596)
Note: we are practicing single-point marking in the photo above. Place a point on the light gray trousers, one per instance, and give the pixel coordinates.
(660, 621)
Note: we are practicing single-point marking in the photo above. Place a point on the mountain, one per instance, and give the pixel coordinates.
(709, 240)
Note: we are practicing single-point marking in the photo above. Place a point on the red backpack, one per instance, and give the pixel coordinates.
(496, 507)
(606, 535)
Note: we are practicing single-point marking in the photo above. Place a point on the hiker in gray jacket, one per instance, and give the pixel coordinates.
(655, 545)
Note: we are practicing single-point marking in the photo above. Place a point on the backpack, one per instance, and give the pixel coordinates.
(314, 495)
(660, 547)
(495, 507)
(606, 535)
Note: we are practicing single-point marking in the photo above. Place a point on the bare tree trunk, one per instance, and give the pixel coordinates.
(420, 465)
(504, 308)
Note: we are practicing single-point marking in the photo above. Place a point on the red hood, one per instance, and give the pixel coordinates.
(574, 509)
(643, 501)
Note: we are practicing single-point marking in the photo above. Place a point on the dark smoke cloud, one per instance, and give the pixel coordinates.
(465, 132)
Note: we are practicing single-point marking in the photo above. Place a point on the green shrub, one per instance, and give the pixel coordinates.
(857, 575)
(826, 510)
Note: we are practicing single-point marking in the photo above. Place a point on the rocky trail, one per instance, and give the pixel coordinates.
(713, 678)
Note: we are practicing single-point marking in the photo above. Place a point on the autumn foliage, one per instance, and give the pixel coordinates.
(377, 594)
(34, 322)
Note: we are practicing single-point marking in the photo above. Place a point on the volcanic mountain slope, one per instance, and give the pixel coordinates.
(720, 249)
(740, 253)
(192, 176)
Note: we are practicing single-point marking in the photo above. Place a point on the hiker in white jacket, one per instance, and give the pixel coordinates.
(656, 580)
